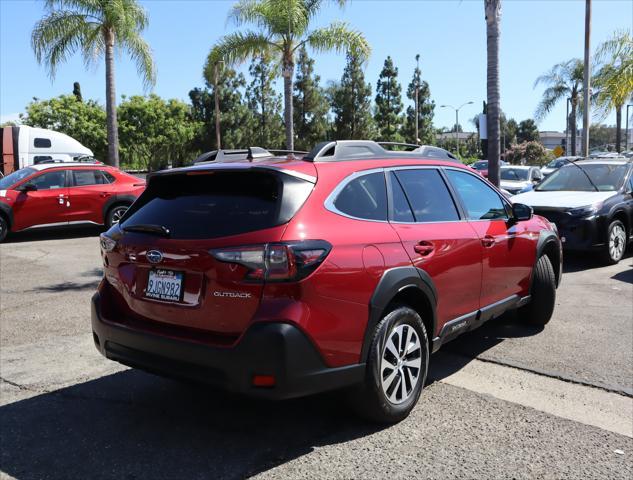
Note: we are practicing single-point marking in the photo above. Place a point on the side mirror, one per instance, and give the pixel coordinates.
(27, 187)
(521, 212)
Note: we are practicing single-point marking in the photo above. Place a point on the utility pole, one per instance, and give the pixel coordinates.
(218, 143)
(567, 122)
(586, 87)
(417, 93)
(456, 120)
(626, 131)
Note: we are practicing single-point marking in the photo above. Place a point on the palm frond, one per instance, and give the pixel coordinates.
(551, 96)
(59, 35)
(340, 38)
(141, 54)
(238, 47)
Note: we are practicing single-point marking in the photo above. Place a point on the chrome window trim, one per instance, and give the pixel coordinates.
(329, 201)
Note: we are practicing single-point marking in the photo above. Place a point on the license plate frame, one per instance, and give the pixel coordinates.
(157, 278)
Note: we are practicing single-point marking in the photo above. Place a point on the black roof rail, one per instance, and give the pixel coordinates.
(283, 152)
(410, 146)
(339, 150)
(250, 153)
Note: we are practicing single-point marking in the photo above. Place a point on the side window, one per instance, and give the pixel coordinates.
(109, 177)
(428, 195)
(481, 201)
(88, 177)
(364, 197)
(42, 142)
(50, 180)
(631, 182)
(401, 208)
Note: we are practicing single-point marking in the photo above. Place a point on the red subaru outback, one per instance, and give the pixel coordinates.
(58, 194)
(282, 277)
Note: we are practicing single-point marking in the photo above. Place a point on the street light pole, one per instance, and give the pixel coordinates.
(587, 80)
(626, 131)
(456, 120)
(417, 93)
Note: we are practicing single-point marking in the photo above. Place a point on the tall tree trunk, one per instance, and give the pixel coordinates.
(618, 129)
(493, 20)
(288, 74)
(111, 120)
(572, 125)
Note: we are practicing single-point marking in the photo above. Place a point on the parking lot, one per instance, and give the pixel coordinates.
(505, 401)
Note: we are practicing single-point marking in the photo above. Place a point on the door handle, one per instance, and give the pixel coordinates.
(488, 241)
(105, 194)
(424, 248)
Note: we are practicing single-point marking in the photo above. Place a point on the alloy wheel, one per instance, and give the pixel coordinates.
(400, 364)
(117, 214)
(617, 242)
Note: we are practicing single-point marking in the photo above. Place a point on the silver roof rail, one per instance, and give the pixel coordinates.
(340, 150)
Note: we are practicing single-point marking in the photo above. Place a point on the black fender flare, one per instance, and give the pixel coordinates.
(116, 199)
(7, 211)
(545, 239)
(392, 282)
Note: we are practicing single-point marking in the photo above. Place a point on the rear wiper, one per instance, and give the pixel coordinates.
(148, 228)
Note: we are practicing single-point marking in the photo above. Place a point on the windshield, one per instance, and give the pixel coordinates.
(480, 165)
(15, 177)
(606, 178)
(514, 174)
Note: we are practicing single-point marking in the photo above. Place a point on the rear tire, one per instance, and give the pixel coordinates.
(396, 369)
(4, 228)
(616, 243)
(114, 214)
(541, 307)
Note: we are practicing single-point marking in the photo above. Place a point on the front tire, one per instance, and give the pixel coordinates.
(616, 243)
(115, 214)
(4, 228)
(397, 366)
(543, 294)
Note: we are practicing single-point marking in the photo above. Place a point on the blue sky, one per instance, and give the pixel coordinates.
(449, 35)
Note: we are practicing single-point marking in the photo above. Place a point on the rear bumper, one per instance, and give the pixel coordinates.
(277, 349)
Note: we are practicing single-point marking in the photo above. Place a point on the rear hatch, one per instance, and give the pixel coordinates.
(166, 260)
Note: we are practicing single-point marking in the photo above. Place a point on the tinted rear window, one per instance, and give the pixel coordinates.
(218, 204)
(364, 197)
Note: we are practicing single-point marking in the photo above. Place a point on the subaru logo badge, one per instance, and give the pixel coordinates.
(154, 256)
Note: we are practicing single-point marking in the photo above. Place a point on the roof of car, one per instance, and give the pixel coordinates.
(45, 166)
(606, 161)
(518, 167)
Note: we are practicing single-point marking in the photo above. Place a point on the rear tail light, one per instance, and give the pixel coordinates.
(276, 262)
(107, 243)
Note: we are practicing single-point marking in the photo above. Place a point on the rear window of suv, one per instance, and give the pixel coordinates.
(212, 204)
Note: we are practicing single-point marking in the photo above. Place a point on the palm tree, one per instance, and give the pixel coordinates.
(563, 81)
(614, 81)
(95, 28)
(493, 111)
(283, 30)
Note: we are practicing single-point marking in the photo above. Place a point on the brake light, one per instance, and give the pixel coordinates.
(276, 262)
(107, 244)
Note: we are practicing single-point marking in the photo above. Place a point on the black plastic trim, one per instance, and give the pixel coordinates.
(274, 348)
(547, 237)
(394, 281)
(8, 212)
(114, 200)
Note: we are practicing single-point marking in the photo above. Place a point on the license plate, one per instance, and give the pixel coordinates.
(164, 285)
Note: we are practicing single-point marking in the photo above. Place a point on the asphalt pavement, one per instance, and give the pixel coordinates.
(506, 401)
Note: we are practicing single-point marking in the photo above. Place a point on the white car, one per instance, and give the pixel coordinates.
(555, 164)
(517, 178)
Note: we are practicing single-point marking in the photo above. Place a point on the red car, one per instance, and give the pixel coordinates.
(57, 194)
(282, 277)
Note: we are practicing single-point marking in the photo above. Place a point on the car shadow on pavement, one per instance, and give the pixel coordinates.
(578, 261)
(66, 286)
(135, 425)
(59, 233)
(456, 354)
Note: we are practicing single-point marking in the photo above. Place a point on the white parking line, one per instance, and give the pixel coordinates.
(580, 403)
